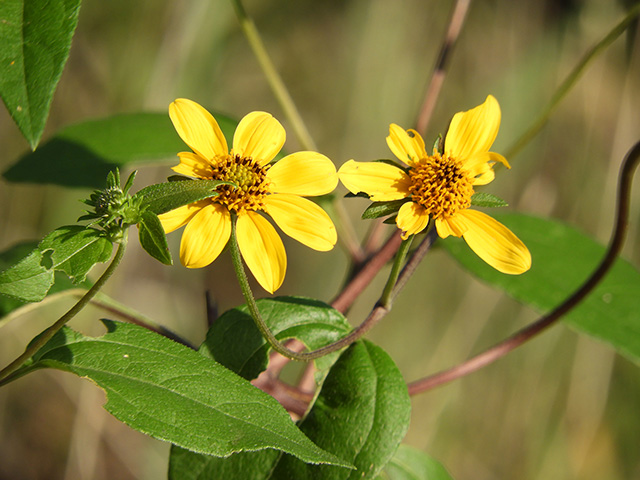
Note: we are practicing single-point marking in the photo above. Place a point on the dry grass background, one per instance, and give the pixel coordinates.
(562, 407)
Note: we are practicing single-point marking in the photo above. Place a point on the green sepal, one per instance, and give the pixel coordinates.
(438, 145)
(487, 200)
(382, 209)
(163, 197)
(152, 237)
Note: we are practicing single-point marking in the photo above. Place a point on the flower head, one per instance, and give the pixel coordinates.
(440, 185)
(276, 190)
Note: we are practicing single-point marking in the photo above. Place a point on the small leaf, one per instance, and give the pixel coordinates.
(153, 239)
(362, 414)
(82, 155)
(382, 209)
(28, 280)
(483, 199)
(411, 464)
(172, 393)
(163, 197)
(563, 258)
(235, 342)
(36, 37)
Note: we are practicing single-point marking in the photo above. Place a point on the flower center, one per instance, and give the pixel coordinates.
(250, 178)
(440, 185)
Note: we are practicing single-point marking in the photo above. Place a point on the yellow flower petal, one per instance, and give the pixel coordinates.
(259, 136)
(412, 218)
(494, 243)
(303, 173)
(262, 250)
(381, 181)
(205, 236)
(192, 165)
(450, 226)
(473, 131)
(408, 145)
(302, 220)
(198, 128)
(180, 216)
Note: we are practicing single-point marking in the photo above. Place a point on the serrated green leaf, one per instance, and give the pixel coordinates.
(382, 209)
(163, 197)
(563, 258)
(153, 239)
(82, 155)
(362, 412)
(36, 37)
(235, 342)
(482, 199)
(28, 280)
(75, 250)
(172, 393)
(411, 464)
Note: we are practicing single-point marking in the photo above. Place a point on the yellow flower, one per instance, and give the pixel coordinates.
(440, 186)
(276, 190)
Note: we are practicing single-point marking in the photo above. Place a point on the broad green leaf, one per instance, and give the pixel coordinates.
(71, 249)
(82, 155)
(235, 342)
(382, 209)
(153, 239)
(36, 37)
(482, 199)
(163, 197)
(186, 465)
(411, 464)
(172, 393)
(563, 258)
(362, 414)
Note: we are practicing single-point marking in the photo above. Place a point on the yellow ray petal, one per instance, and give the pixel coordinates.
(303, 173)
(259, 136)
(495, 244)
(473, 131)
(262, 250)
(198, 128)
(450, 226)
(381, 181)
(407, 145)
(193, 165)
(412, 218)
(178, 217)
(205, 236)
(302, 220)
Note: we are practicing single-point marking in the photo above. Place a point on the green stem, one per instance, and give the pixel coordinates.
(570, 81)
(387, 294)
(48, 333)
(275, 81)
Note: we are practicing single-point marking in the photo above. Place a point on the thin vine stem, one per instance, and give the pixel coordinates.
(273, 77)
(387, 294)
(6, 374)
(501, 349)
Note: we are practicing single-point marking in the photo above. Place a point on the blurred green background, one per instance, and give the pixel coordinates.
(561, 407)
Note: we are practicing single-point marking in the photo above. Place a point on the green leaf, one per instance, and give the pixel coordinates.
(483, 199)
(163, 197)
(382, 209)
(82, 155)
(411, 464)
(186, 465)
(71, 249)
(563, 258)
(172, 393)
(153, 239)
(36, 37)
(235, 342)
(362, 414)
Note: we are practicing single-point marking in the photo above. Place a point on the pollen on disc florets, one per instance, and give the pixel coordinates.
(440, 185)
(250, 178)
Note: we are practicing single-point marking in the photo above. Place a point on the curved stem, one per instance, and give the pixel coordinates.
(275, 81)
(48, 333)
(387, 294)
(527, 333)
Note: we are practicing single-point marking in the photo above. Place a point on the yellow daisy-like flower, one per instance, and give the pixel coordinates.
(440, 186)
(276, 190)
